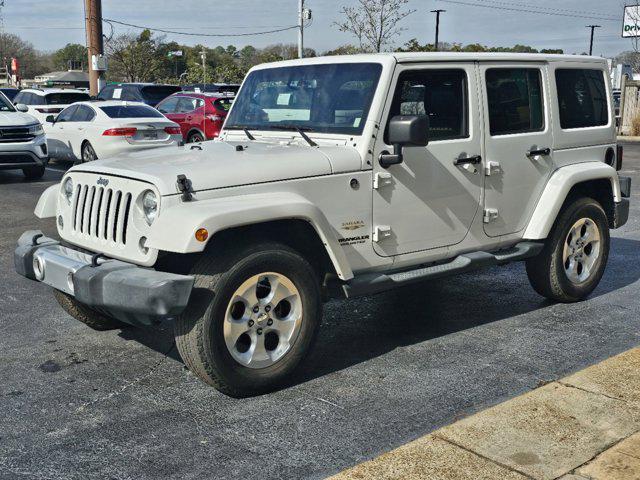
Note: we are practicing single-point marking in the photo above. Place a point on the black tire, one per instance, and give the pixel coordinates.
(547, 272)
(34, 173)
(86, 315)
(199, 330)
(195, 137)
(88, 153)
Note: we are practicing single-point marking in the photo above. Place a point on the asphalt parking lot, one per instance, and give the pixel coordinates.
(78, 404)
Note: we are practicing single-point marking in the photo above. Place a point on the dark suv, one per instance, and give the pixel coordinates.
(149, 93)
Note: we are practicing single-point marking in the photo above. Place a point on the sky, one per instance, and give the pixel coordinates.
(50, 25)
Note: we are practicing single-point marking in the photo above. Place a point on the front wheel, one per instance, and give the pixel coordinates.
(195, 137)
(575, 255)
(252, 318)
(34, 173)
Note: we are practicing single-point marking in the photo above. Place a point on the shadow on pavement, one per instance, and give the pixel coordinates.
(357, 330)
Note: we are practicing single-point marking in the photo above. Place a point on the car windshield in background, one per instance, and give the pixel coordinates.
(331, 98)
(155, 94)
(10, 92)
(131, 111)
(66, 98)
(223, 103)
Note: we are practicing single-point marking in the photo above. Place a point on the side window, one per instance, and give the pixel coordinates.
(37, 100)
(440, 94)
(19, 98)
(169, 105)
(188, 104)
(106, 93)
(582, 98)
(67, 114)
(83, 114)
(27, 98)
(515, 100)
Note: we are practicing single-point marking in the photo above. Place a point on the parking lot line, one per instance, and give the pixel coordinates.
(558, 429)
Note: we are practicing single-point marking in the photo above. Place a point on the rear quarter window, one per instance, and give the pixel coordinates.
(223, 104)
(582, 98)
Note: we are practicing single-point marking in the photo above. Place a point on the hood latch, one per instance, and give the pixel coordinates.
(184, 187)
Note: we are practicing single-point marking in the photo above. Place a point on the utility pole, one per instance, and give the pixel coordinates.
(592, 27)
(203, 56)
(437, 12)
(300, 28)
(95, 44)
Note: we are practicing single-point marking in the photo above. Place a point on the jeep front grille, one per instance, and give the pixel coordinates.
(101, 213)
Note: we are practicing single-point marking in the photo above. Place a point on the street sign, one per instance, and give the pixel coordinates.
(177, 53)
(631, 21)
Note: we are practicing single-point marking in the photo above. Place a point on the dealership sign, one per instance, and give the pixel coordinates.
(631, 22)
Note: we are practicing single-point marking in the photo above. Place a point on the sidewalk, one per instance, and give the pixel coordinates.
(585, 426)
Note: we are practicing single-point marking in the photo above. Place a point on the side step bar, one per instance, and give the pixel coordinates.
(370, 283)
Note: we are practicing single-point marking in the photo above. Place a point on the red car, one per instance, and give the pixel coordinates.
(200, 115)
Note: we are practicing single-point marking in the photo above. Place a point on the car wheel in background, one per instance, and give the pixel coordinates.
(195, 137)
(34, 173)
(88, 153)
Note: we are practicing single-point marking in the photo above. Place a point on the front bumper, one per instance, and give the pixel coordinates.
(128, 292)
(24, 154)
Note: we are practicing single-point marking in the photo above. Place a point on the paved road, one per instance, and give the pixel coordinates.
(77, 404)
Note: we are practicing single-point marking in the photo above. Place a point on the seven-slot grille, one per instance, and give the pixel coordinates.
(15, 134)
(101, 213)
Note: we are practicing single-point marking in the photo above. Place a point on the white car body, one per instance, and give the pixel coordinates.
(48, 101)
(87, 122)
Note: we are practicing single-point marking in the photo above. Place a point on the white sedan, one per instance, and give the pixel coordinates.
(87, 131)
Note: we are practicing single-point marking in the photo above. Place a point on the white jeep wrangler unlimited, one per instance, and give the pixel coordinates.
(340, 176)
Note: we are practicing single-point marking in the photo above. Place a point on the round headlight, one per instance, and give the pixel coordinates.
(67, 189)
(149, 206)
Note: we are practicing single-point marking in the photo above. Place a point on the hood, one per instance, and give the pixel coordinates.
(16, 119)
(217, 164)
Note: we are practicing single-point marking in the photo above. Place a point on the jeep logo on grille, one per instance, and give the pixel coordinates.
(103, 181)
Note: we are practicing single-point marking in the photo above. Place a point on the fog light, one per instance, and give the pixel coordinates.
(202, 235)
(60, 222)
(143, 245)
(38, 268)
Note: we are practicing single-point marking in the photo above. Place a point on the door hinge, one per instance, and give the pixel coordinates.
(382, 179)
(490, 214)
(380, 232)
(490, 167)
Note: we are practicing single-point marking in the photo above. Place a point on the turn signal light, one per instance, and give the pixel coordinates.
(202, 234)
(120, 132)
(173, 130)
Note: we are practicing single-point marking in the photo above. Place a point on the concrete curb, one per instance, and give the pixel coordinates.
(581, 426)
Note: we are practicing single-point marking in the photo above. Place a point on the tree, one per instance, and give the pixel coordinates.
(32, 62)
(629, 58)
(134, 58)
(374, 23)
(71, 52)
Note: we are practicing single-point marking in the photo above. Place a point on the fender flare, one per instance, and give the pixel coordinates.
(48, 202)
(174, 229)
(557, 189)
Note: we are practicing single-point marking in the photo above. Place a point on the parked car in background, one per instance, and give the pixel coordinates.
(212, 88)
(86, 131)
(149, 93)
(10, 92)
(42, 102)
(200, 115)
(22, 141)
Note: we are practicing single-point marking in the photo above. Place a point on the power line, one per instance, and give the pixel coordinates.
(496, 7)
(191, 34)
(566, 10)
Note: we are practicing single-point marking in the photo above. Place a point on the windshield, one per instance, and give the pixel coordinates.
(5, 104)
(332, 98)
(66, 98)
(131, 111)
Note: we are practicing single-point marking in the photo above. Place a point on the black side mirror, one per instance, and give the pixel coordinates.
(50, 119)
(405, 130)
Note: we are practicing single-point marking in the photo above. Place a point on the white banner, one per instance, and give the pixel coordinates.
(631, 22)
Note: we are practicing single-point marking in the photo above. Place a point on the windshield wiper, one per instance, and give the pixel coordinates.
(295, 128)
(248, 134)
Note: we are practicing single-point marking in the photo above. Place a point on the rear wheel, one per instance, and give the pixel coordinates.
(88, 153)
(195, 137)
(86, 315)
(34, 173)
(575, 255)
(252, 318)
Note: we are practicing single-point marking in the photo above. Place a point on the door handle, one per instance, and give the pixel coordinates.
(474, 160)
(541, 151)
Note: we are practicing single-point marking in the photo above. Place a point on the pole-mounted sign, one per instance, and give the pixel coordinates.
(631, 21)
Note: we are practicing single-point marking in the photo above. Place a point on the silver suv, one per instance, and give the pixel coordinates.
(23, 144)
